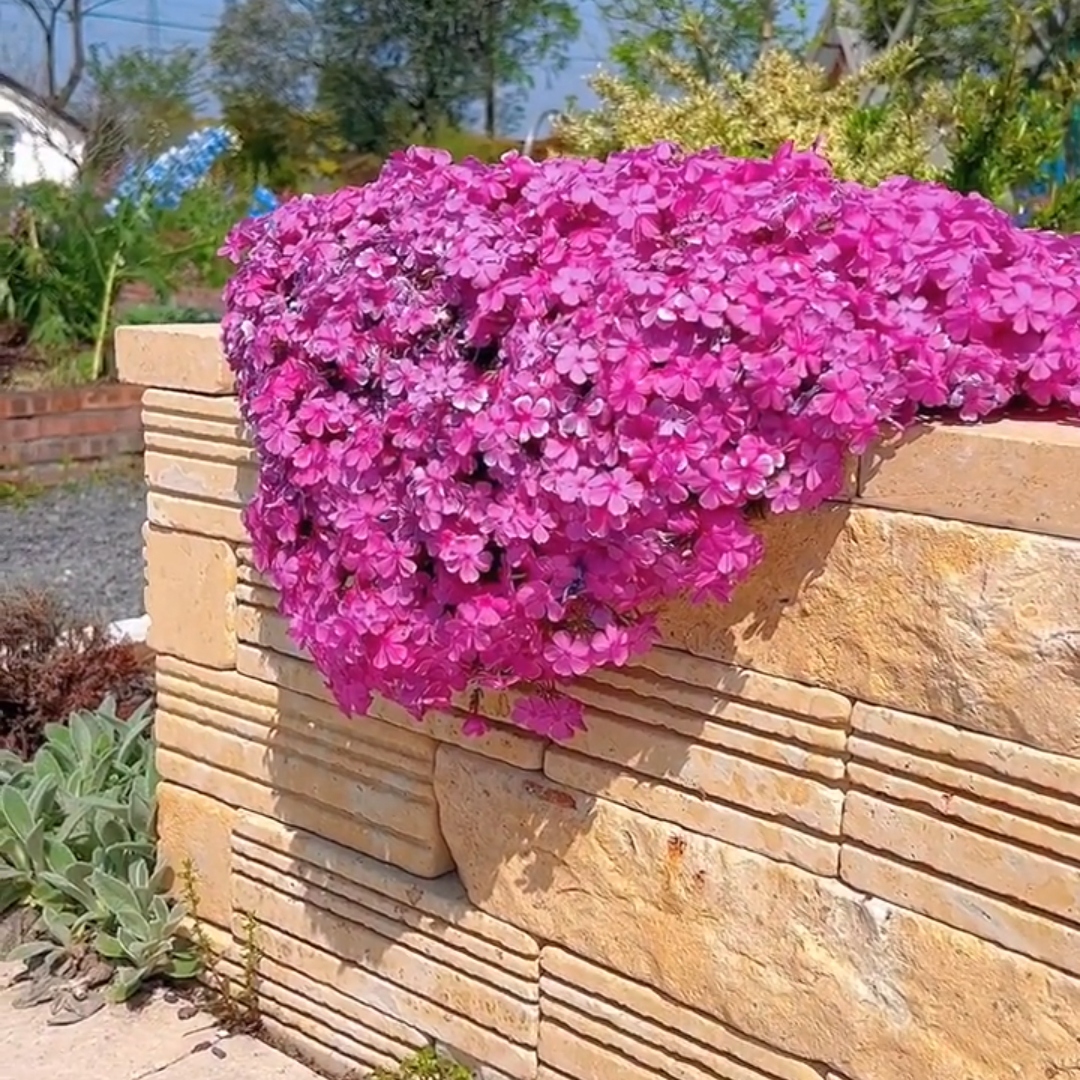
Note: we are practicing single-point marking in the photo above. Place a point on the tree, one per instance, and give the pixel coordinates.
(428, 62)
(513, 39)
(266, 51)
(706, 36)
(142, 100)
(265, 59)
(975, 36)
(57, 19)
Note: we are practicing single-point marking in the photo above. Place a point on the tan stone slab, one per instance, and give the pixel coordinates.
(327, 1006)
(324, 953)
(328, 1060)
(190, 597)
(191, 825)
(330, 922)
(660, 1049)
(885, 777)
(164, 426)
(444, 898)
(985, 766)
(184, 357)
(425, 858)
(970, 624)
(402, 922)
(195, 516)
(232, 683)
(731, 681)
(1030, 877)
(259, 596)
(441, 945)
(589, 1060)
(1025, 932)
(334, 1028)
(801, 962)
(624, 1002)
(169, 402)
(211, 443)
(385, 747)
(350, 785)
(669, 803)
(197, 478)
(1020, 474)
(773, 737)
(707, 768)
(500, 742)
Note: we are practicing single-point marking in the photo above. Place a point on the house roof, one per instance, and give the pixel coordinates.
(839, 46)
(40, 104)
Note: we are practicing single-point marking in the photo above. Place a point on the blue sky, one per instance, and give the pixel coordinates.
(124, 23)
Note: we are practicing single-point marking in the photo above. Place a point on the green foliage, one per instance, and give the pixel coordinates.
(426, 1064)
(956, 39)
(1010, 120)
(398, 70)
(143, 101)
(707, 37)
(159, 314)
(780, 99)
(77, 844)
(63, 262)
(236, 1006)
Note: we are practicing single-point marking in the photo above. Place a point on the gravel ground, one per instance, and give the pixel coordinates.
(83, 541)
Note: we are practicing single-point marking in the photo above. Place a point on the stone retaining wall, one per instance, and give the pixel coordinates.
(828, 832)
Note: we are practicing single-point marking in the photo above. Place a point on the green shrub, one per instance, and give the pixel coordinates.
(77, 845)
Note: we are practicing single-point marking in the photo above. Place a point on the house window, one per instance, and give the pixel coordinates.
(8, 137)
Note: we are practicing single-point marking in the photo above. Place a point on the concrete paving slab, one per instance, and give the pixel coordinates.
(121, 1043)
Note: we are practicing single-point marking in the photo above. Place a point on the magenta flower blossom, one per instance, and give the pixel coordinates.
(503, 411)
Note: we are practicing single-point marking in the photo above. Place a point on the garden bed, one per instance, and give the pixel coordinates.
(48, 434)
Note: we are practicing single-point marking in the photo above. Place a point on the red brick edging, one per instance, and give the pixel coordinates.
(43, 432)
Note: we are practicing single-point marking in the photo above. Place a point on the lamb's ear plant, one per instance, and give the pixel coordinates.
(77, 845)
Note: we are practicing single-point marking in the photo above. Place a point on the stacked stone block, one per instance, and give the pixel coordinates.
(828, 830)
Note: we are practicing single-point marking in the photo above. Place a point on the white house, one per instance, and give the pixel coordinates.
(37, 142)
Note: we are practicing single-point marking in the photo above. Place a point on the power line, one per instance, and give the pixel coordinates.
(132, 20)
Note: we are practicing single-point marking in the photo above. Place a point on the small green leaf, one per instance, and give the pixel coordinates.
(183, 967)
(109, 946)
(127, 982)
(16, 812)
(29, 949)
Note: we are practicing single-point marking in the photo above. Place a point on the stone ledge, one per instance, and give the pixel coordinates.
(184, 357)
(1018, 474)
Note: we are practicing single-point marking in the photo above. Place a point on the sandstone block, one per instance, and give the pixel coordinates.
(324, 949)
(177, 357)
(502, 742)
(948, 619)
(1020, 474)
(190, 597)
(199, 440)
(647, 1027)
(196, 516)
(443, 899)
(732, 771)
(194, 826)
(163, 403)
(219, 481)
(666, 802)
(994, 918)
(797, 961)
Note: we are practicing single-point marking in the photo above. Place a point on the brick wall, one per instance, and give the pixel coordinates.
(46, 433)
(826, 832)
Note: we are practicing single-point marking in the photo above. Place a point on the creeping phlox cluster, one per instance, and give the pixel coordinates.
(502, 411)
(165, 181)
